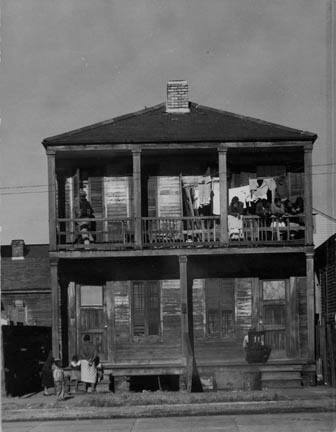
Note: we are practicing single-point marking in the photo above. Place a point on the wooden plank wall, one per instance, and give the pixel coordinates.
(243, 306)
(171, 310)
(301, 292)
(168, 347)
(168, 198)
(122, 310)
(118, 197)
(199, 308)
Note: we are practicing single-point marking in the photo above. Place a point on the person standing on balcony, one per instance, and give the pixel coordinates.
(85, 211)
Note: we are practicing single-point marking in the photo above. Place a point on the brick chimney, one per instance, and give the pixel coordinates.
(177, 97)
(18, 249)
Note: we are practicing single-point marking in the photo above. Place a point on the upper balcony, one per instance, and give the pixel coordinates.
(180, 175)
(179, 196)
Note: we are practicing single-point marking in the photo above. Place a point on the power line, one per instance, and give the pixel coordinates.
(325, 215)
(23, 193)
(23, 186)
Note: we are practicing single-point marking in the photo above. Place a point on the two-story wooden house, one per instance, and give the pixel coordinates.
(201, 229)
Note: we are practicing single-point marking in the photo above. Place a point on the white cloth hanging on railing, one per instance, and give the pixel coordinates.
(204, 191)
(215, 197)
(243, 193)
(235, 227)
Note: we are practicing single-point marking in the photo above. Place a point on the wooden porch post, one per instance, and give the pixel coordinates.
(52, 199)
(183, 261)
(55, 308)
(137, 196)
(310, 305)
(308, 194)
(185, 341)
(223, 192)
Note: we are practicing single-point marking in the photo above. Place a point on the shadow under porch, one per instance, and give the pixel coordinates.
(213, 299)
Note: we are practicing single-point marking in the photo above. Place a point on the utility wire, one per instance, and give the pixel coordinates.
(325, 215)
(10, 188)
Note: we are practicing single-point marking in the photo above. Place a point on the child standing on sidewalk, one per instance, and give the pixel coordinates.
(75, 372)
(58, 374)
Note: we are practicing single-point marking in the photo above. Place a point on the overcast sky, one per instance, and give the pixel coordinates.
(69, 63)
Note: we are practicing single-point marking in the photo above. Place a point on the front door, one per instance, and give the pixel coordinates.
(273, 315)
(91, 317)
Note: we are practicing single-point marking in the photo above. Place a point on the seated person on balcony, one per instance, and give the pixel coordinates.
(296, 223)
(85, 212)
(236, 207)
(277, 208)
(263, 209)
(298, 206)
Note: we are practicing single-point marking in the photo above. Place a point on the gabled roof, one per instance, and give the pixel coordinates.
(201, 124)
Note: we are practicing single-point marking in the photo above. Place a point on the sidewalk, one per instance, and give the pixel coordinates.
(164, 404)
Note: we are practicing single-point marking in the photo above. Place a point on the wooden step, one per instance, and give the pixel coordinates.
(272, 384)
(280, 367)
(278, 375)
(281, 376)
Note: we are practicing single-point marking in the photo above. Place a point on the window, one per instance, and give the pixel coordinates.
(91, 295)
(219, 295)
(146, 308)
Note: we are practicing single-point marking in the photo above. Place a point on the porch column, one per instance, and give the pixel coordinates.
(222, 168)
(183, 261)
(52, 199)
(55, 308)
(308, 194)
(137, 196)
(310, 305)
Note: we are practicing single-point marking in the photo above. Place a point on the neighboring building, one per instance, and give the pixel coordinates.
(25, 284)
(167, 272)
(325, 268)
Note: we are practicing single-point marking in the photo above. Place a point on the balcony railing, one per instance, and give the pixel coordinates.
(256, 230)
(97, 233)
(175, 232)
(185, 231)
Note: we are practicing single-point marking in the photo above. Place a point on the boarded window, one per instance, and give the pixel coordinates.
(219, 294)
(146, 308)
(91, 295)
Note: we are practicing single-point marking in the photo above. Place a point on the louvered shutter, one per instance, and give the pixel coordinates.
(153, 307)
(118, 206)
(96, 200)
(138, 303)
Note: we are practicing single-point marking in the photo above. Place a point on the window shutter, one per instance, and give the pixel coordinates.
(96, 200)
(153, 307)
(138, 309)
(118, 205)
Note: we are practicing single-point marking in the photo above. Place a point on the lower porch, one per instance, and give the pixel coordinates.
(214, 375)
(159, 324)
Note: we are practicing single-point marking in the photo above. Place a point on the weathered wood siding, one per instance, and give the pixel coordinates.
(301, 292)
(243, 306)
(118, 197)
(166, 346)
(199, 313)
(122, 310)
(95, 196)
(235, 293)
(164, 196)
(171, 310)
